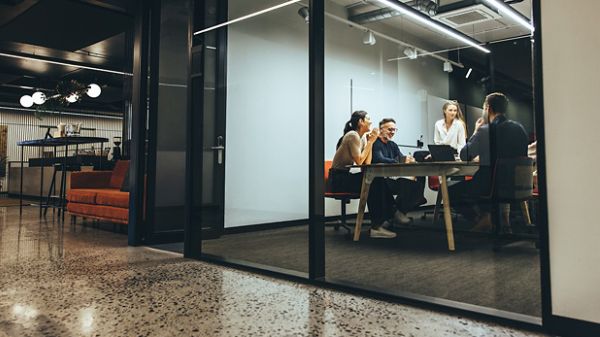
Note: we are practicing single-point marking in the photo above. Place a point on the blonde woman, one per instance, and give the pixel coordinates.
(451, 130)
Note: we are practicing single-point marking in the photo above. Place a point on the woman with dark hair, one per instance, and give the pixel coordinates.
(355, 147)
(451, 130)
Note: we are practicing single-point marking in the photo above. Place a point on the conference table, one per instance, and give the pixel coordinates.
(421, 169)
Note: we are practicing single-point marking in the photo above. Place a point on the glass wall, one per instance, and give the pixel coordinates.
(250, 120)
(439, 222)
(471, 245)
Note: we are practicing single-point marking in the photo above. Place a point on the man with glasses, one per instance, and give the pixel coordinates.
(409, 192)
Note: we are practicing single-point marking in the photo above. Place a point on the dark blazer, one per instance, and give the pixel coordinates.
(503, 138)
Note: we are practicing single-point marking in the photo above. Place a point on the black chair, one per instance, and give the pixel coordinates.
(512, 182)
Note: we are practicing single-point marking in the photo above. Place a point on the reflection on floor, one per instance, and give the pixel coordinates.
(74, 281)
(417, 261)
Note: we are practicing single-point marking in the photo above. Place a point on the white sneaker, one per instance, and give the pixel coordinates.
(382, 233)
(401, 218)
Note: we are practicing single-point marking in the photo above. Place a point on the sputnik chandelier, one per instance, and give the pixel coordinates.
(66, 93)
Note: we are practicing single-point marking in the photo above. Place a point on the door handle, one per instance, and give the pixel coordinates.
(219, 148)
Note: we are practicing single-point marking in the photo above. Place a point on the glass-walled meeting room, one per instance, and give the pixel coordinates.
(425, 168)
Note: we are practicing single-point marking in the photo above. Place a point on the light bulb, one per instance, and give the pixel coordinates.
(94, 90)
(38, 97)
(26, 101)
(72, 98)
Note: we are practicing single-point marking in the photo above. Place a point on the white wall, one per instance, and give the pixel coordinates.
(267, 106)
(266, 177)
(571, 43)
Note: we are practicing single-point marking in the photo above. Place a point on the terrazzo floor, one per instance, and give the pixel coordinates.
(78, 281)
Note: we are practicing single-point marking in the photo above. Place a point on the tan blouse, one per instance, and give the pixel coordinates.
(348, 150)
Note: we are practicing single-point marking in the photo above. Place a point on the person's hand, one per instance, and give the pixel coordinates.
(478, 124)
(372, 136)
(409, 159)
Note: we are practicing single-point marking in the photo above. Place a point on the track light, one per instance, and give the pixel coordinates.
(448, 67)
(410, 53)
(469, 73)
(303, 12)
(369, 38)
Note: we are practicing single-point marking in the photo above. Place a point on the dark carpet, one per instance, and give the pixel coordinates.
(417, 261)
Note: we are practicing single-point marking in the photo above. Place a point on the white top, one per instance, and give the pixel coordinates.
(455, 136)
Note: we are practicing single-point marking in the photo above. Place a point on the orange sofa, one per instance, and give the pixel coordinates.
(98, 195)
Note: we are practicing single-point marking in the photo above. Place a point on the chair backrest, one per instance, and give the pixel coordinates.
(326, 175)
(118, 174)
(513, 178)
(433, 182)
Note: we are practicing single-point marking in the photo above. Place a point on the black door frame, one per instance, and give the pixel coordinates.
(550, 323)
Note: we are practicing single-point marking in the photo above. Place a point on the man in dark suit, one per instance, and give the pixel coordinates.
(495, 137)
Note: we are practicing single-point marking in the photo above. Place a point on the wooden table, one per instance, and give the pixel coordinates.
(442, 169)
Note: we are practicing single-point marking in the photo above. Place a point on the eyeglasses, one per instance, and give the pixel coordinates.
(392, 129)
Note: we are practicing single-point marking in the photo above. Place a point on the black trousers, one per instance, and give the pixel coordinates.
(380, 199)
(409, 193)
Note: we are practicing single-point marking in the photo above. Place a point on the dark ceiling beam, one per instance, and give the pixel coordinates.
(50, 60)
(109, 5)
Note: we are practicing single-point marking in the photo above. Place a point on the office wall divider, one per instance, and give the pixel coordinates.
(316, 127)
(141, 49)
(316, 275)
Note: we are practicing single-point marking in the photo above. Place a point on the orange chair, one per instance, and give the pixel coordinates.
(343, 197)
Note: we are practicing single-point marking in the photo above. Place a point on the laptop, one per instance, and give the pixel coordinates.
(441, 152)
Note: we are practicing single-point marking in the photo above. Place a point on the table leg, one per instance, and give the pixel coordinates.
(447, 214)
(364, 194)
(21, 186)
(63, 194)
(41, 181)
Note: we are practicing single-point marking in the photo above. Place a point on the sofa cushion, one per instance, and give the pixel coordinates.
(118, 174)
(82, 195)
(112, 197)
(116, 214)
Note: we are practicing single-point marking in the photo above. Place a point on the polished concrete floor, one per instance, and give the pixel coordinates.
(68, 280)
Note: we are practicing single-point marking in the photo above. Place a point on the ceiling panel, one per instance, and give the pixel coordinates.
(64, 25)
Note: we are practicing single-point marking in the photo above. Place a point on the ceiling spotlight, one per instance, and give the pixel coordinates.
(38, 97)
(94, 90)
(469, 73)
(411, 53)
(72, 98)
(26, 101)
(303, 12)
(448, 67)
(369, 38)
